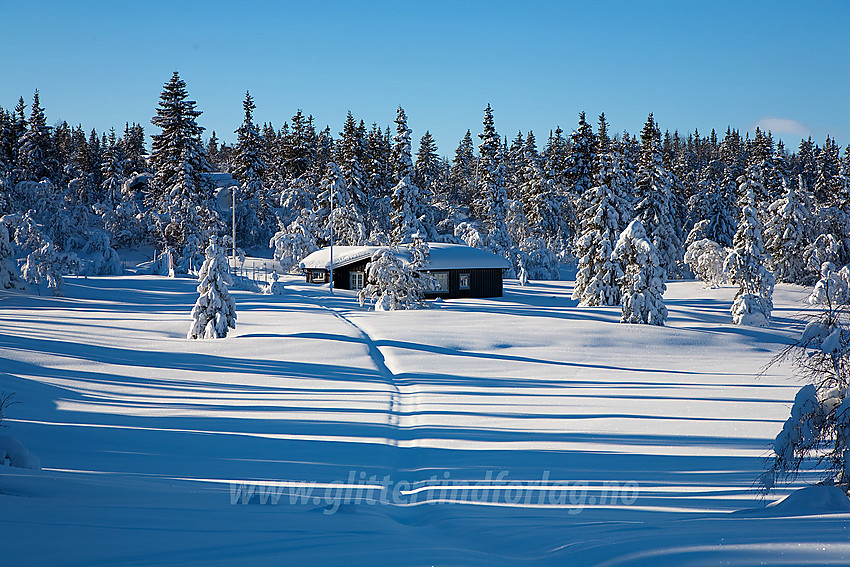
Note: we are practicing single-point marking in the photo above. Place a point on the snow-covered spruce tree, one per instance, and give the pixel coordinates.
(706, 259)
(406, 198)
(536, 260)
(348, 227)
(46, 265)
(36, 153)
(386, 281)
(177, 195)
(653, 192)
(419, 252)
(462, 172)
(427, 169)
(642, 283)
(581, 159)
(248, 168)
(274, 287)
(406, 204)
(818, 430)
(291, 244)
(350, 154)
(492, 198)
(786, 234)
(117, 208)
(601, 223)
(722, 227)
(391, 283)
(540, 201)
(8, 272)
(746, 266)
(214, 311)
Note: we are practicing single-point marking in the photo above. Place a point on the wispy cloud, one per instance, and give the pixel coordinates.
(782, 126)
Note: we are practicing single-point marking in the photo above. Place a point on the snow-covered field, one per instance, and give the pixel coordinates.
(519, 430)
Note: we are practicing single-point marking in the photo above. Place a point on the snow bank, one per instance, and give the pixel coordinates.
(14, 452)
(810, 501)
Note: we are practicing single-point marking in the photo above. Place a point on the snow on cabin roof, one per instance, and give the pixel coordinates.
(443, 257)
(459, 256)
(343, 255)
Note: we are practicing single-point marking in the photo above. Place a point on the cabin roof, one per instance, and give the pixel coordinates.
(443, 257)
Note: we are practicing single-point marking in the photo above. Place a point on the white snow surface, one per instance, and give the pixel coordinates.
(443, 256)
(160, 450)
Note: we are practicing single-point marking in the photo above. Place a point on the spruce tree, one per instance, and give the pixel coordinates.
(746, 265)
(602, 221)
(214, 312)
(177, 193)
(35, 154)
(492, 199)
(133, 144)
(786, 235)
(249, 169)
(653, 187)
(350, 155)
(581, 158)
(427, 167)
(248, 166)
(406, 198)
(642, 282)
(401, 161)
(463, 171)
(346, 222)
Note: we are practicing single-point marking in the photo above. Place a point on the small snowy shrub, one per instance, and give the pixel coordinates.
(819, 425)
(98, 258)
(537, 261)
(275, 287)
(214, 311)
(642, 283)
(522, 276)
(833, 286)
(705, 258)
(824, 248)
(46, 265)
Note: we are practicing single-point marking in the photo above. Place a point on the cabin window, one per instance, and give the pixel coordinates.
(463, 281)
(355, 280)
(319, 276)
(442, 281)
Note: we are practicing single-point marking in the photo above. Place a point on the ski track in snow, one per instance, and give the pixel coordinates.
(394, 406)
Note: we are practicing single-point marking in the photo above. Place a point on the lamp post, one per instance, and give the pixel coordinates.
(233, 234)
(331, 190)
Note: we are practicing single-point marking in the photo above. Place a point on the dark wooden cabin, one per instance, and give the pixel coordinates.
(461, 271)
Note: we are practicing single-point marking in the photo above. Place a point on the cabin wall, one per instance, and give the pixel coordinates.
(483, 282)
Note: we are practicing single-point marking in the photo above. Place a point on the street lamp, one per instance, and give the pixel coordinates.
(233, 234)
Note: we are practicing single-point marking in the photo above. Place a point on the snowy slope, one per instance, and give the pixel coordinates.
(646, 438)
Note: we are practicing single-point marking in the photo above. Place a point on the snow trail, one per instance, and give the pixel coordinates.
(377, 357)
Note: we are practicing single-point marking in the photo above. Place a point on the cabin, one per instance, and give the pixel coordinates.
(460, 271)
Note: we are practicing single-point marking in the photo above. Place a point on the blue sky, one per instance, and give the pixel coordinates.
(693, 64)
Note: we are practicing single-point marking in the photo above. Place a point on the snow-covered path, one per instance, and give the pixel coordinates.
(510, 430)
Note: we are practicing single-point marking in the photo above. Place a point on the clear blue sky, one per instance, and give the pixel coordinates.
(694, 64)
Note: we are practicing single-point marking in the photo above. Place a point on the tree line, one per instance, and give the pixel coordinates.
(69, 195)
